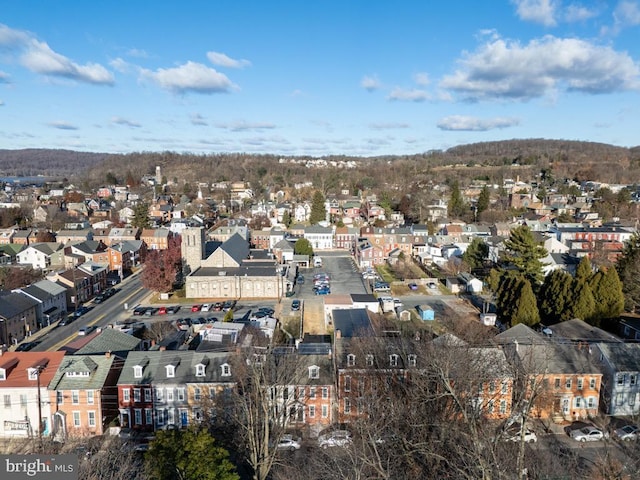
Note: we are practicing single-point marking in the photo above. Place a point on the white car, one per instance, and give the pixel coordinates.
(337, 438)
(514, 436)
(206, 307)
(287, 442)
(587, 434)
(627, 433)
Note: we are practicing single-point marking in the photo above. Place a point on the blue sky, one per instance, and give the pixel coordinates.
(316, 77)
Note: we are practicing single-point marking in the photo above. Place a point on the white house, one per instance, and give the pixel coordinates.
(321, 238)
(38, 255)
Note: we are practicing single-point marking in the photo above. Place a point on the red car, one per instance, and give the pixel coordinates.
(162, 310)
(196, 308)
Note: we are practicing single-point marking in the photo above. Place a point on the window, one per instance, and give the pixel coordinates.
(200, 370)
(137, 415)
(312, 393)
(619, 399)
(312, 411)
(125, 394)
(592, 402)
(503, 407)
(212, 392)
(579, 384)
(136, 395)
(75, 397)
(23, 400)
(226, 370)
(347, 406)
(592, 383)
(557, 383)
(314, 372)
(92, 418)
(76, 419)
(147, 395)
(325, 392)
(90, 397)
(412, 360)
(567, 383)
(632, 398)
(300, 393)
(59, 397)
(7, 401)
(160, 417)
(197, 394)
(171, 371)
(369, 360)
(181, 394)
(171, 419)
(492, 387)
(33, 373)
(159, 394)
(351, 360)
(393, 360)
(490, 404)
(137, 371)
(577, 402)
(633, 379)
(3, 374)
(325, 411)
(347, 383)
(504, 387)
(620, 379)
(169, 395)
(148, 416)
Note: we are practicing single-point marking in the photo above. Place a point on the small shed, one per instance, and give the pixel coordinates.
(470, 284)
(488, 319)
(425, 312)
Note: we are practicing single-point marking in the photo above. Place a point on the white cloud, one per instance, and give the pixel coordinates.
(408, 95)
(578, 13)
(38, 57)
(422, 79)
(62, 125)
(124, 122)
(537, 11)
(222, 60)
(1, 103)
(474, 124)
(370, 83)
(4, 77)
(121, 65)
(137, 53)
(197, 119)
(626, 14)
(388, 126)
(190, 77)
(241, 126)
(503, 69)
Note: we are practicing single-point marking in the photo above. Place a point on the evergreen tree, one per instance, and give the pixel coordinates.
(607, 293)
(318, 210)
(286, 218)
(456, 207)
(476, 253)
(483, 200)
(525, 254)
(141, 215)
(584, 270)
(555, 295)
(507, 294)
(525, 309)
(582, 304)
(628, 267)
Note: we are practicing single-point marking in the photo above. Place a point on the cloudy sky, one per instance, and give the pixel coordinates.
(354, 77)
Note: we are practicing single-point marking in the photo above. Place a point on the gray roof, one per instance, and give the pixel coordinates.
(520, 333)
(14, 303)
(554, 358)
(52, 288)
(249, 270)
(110, 340)
(363, 298)
(154, 367)
(236, 247)
(98, 367)
(352, 322)
(624, 357)
(577, 330)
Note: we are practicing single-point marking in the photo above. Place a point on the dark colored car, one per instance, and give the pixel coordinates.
(295, 305)
(173, 309)
(80, 311)
(229, 305)
(26, 346)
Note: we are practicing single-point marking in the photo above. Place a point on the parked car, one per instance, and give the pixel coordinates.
(287, 442)
(66, 320)
(337, 438)
(151, 311)
(587, 434)
(139, 310)
(627, 433)
(162, 310)
(432, 285)
(86, 330)
(323, 291)
(413, 286)
(196, 308)
(80, 311)
(205, 307)
(173, 309)
(295, 305)
(300, 279)
(268, 311)
(229, 305)
(26, 346)
(514, 435)
(99, 298)
(217, 307)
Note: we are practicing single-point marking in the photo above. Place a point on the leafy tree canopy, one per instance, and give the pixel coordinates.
(303, 247)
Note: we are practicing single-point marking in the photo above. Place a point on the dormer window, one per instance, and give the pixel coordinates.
(314, 372)
(200, 368)
(3, 374)
(76, 374)
(33, 373)
(137, 371)
(226, 370)
(171, 371)
(393, 360)
(351, 360)
(412, 360)
(369, 360)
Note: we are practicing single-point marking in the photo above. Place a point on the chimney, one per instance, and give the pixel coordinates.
(338, 334)
(108, 354)
(515, 342)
